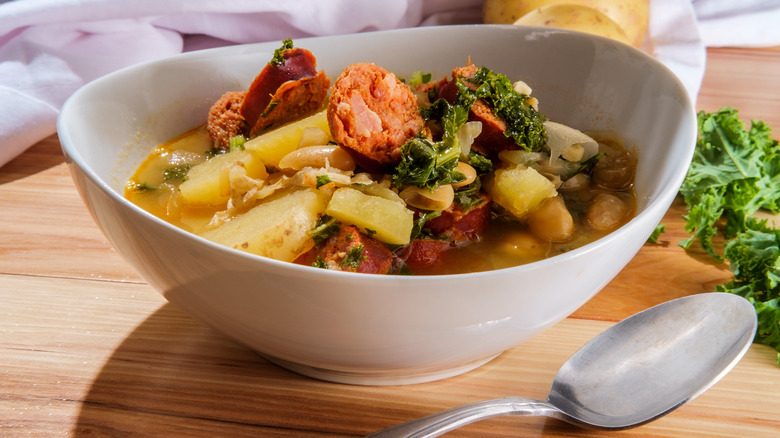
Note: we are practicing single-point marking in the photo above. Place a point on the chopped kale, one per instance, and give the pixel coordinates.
(141, 187)
(354, 257)
(419, 78)
(237, 142)
(659, 229)
(418, 229)
(428, 164)
(326, 226)
(271, 105)
(322, 180)
(320, 263)
(524, 123)
(177, 172)
(213, 152)
(467, 197)
(587, 165)
(480, 163)
(278, 57)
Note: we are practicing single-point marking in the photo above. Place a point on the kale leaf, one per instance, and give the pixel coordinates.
(754, 258)
(326, 226)
(734, 173)
(354, 258)
(177, 172)
(523, 123)
(430, 164)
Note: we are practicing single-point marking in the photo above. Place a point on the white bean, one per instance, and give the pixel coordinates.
(606, 212)
(469, 172)
(318, 156)
(551, 221)
(439, 199)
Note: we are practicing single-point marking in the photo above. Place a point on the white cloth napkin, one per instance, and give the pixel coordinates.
(49, 48)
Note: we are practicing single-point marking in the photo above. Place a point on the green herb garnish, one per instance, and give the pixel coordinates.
(419, 78)
(467, 197)
(320, 263)
(237, 143)
(322, 180)
(326, 227)
(177, 172)
(278, 57)
(141, 187)
(354, 257)
(271, 105)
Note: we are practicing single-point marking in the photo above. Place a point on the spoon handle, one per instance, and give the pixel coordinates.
(437, 424)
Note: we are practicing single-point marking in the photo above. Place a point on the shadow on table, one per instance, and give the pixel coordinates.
(39, 158)
(173, 376)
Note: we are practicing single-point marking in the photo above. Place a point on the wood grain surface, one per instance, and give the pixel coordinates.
(88, 349)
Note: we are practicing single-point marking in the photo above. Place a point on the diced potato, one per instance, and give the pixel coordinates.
(208, 182)
(277, 228)
(273, 145)
(520, 189)
(196, 140)
(389, 221)
(314, 136)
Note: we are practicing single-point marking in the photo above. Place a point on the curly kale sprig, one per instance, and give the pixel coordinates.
(734, 173)
(430, 164)
(524, 123)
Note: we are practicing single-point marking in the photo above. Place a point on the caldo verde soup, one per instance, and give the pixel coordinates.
(374, 174)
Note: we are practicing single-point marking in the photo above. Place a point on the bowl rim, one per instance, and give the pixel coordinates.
(664, 198)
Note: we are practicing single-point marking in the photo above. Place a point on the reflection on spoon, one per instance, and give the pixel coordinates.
(634, 372)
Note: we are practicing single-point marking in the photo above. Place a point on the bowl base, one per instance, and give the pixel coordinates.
(377, 378)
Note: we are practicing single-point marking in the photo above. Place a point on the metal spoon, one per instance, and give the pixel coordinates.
(634, 372)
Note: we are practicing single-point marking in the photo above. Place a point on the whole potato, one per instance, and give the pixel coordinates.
(574, 17)
(630, 15)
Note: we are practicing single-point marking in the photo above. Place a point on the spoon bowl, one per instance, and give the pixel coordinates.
(632, 373)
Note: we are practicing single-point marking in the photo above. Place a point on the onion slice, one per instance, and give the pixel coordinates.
(560, 137)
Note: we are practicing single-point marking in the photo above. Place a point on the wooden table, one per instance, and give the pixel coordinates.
(87, 348)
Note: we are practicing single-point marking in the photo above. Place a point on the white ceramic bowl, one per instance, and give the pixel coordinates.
(367, 329)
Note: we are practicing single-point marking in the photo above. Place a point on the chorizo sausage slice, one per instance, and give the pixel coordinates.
(284, 91)
(371, 113)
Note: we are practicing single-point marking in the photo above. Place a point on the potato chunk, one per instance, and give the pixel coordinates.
(520, 189)
(277, 228)
(387, 221)
(208, 183)
(273, 145)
